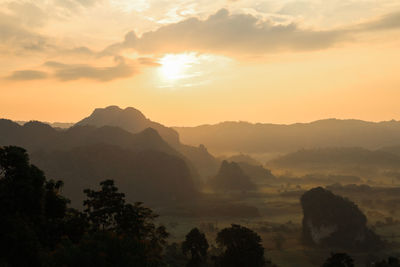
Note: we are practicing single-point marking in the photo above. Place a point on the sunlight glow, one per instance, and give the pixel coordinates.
(190, 69)
(176, 66)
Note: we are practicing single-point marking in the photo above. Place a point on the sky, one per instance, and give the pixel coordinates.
(185, 63)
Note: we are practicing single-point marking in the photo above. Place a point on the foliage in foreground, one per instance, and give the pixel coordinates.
(37, 223)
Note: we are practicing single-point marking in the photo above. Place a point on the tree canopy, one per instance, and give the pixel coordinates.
(32, 210)
(339, 260)
(241, 247)
(197, 245)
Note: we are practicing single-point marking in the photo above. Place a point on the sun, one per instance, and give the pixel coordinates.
(189, 69)
(176, 66)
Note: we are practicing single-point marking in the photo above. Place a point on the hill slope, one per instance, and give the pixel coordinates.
(147, 167)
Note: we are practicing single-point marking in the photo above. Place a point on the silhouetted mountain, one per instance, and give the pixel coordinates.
(204, 162)
(231, 177)
(129, 119)
(132, 120)
(253, 169)
(149, 175)
(84, 155)
(274, 138)
(343, 158)
(243, 158)
(57, 125)
(257, 173)
(335, 222)
(36, 135)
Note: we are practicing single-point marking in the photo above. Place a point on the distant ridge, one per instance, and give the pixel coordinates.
(35, 135)
(247, 137)
(61, 125)
(338, 159)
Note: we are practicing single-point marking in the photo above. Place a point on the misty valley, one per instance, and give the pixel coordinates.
(118, 189)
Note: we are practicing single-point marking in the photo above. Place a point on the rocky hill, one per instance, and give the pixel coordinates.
(335, 222)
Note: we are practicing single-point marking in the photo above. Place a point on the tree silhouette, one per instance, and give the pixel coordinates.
(339, 260)
(102, 207)
(38, 229)
(32, 210)
(173, 255)
(241, 247)
(196, 244)
(391, 262)
(124, 233)
(137, 222)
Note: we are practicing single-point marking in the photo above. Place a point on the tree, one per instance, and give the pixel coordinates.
(173, 256)
(196, 244)
(102, 207)
(241, 247)
(38, 229)
(21, 184)
(106, 210)
(129, 227)
(339, 260)
(55, 212)
(32, 210)
(391, 262)
(103, 249)
(138, 222)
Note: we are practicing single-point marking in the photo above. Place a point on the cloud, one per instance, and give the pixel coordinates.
(14, 36)
(222, 33)
(148, 61)
(387, 22)
(69, 72)
(28, 13)
(18, 36)
(228, 34)
(27, 75)
(76, 5)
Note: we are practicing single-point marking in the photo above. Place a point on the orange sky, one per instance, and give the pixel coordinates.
(195, 62)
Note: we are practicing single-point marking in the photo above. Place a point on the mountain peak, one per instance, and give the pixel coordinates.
(112, 107)
(117, 111)
(231, 177)
(129, 119)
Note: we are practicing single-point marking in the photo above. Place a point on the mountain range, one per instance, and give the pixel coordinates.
(151, 162)
(146, 166)
(134, 121)
(234, 137)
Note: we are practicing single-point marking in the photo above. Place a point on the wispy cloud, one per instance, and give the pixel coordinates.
(27, 75)
(70, 72)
